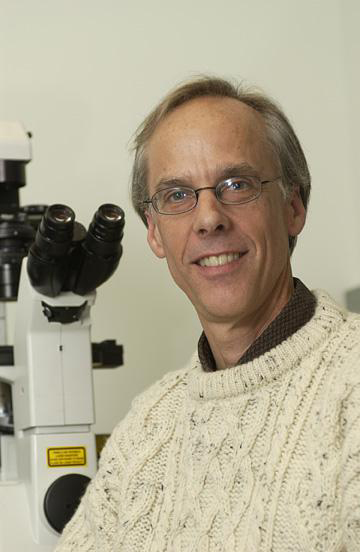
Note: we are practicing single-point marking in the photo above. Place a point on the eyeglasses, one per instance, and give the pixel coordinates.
(232, 191)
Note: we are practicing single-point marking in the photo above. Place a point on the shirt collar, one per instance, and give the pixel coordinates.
(291, 318)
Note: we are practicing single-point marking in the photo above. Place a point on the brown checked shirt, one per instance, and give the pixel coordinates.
(291, 318)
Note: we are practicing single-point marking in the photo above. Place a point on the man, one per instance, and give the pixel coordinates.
(254, 446)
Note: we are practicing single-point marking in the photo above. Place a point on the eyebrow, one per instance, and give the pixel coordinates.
(165, 183)
(222, 173)
(244, 169)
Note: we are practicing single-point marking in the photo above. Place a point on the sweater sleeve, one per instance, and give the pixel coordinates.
(350, 477)
(94, 525)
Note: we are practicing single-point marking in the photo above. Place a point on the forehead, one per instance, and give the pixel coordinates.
(204, 133)
(210, 112)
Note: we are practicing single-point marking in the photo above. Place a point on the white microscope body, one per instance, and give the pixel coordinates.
(53, 412)
(49, 456)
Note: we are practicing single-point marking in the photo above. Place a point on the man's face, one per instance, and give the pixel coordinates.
(197, 145)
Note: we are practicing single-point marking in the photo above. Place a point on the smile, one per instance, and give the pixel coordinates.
(219, 260)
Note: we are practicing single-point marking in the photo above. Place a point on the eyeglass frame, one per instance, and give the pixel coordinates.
(215, 188)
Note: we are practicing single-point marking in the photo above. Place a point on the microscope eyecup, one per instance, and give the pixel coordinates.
(58, 223)
(60, 214)
(112, 214)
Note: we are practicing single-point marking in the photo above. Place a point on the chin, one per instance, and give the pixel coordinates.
(222, 312)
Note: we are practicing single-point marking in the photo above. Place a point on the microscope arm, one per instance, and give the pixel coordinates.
(53, 405)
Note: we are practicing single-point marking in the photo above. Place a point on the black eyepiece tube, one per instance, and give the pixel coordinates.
(106, 230)
(56, 230)
(101, 249)
(64, 257)
(48, 260)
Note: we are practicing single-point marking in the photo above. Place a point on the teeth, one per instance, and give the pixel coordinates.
(219, 260)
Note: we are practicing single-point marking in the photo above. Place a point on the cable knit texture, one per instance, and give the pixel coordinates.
(262, 457)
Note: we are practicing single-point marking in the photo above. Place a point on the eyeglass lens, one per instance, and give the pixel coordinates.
(230, 191)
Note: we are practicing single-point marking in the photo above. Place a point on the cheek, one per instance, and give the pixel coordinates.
(278, 238)
(267, 230)
(174, 243)
(177, 270)
(173, 248)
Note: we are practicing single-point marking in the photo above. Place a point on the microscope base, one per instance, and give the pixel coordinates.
(15, 529)
(35, 507)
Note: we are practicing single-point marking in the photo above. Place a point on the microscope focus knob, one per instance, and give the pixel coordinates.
(62, 499)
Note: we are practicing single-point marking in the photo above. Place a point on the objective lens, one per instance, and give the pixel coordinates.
(16, 236)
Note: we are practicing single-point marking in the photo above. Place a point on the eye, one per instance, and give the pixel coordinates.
(238, 184)
(176, 195)
(239, 189)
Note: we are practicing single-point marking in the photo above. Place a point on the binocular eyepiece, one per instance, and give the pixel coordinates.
(66, 257)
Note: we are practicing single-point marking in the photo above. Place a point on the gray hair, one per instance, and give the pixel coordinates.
(279, 132)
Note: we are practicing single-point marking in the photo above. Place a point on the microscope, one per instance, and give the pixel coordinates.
(51, 265)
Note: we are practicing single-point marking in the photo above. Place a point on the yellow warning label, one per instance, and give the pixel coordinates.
(59, 457)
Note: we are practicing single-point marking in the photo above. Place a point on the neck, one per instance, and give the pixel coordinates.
(229, 340)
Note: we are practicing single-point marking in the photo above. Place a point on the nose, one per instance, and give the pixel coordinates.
(209, 213)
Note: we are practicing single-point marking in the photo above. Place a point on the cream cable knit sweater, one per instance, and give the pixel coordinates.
(263, 457)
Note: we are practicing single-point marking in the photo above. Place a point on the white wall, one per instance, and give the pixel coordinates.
(81, 76)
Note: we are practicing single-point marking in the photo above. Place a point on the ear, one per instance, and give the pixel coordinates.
(296, 213)
(154, 237)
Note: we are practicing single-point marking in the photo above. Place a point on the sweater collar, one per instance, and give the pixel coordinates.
(270, 366)
(292, 317)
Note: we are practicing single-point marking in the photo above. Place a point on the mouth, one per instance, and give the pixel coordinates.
(220, 260)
